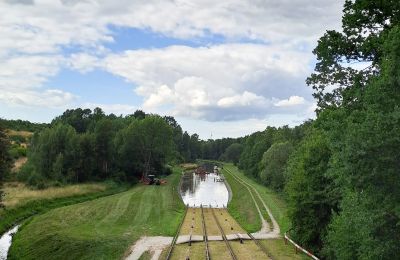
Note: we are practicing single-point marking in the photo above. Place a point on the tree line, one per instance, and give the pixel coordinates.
(340, 173)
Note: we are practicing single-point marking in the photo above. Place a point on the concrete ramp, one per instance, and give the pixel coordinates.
(215, 238)
(186, 238)
(237, 237)
(197, 238)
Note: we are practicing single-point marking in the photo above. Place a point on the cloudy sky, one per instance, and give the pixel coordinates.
(222, 68)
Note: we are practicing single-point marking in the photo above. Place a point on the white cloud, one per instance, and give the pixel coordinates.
(21, 78)
(196, 82)
(291, 101)
(214, 82)
(244, 100)
(83, 62)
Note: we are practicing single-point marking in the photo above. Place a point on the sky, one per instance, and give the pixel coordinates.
(221, 68)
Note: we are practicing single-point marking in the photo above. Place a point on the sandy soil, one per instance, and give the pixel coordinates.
(18, 163)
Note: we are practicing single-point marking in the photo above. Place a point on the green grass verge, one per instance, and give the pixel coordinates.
(273, 200)
(11, 217)
(103, 228)
(241, 206)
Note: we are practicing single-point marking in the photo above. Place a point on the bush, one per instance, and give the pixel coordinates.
(119, 177)
(17, 151)
(25, 172)
(36, 180)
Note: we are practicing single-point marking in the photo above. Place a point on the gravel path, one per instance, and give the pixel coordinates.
(265, 232)
(153, 244)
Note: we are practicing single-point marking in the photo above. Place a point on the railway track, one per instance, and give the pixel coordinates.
(228, 245)
(263, 248)
(205, 234)
(171, 247)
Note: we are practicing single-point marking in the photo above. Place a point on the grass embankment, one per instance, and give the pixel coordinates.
(22, 202)
(273, 200)
(242, 207)
(103, 228)
(276, 247)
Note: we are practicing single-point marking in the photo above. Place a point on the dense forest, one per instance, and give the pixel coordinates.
(339, 173)
(84, 145)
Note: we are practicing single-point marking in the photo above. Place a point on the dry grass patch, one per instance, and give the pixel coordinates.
(189, 166)
(279, 250)
(247, 250)
(196, 251)
(18, 163)
(211, 225)
(19, 133)
(218, 250)
(193, 217)
(228, 223)
(17, 194)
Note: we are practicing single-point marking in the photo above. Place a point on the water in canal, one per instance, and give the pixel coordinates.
(204, 189)
(5, 242)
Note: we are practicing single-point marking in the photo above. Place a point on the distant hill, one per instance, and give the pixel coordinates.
(22, 125)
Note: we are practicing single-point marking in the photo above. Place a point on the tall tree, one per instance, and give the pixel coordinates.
(273, 165)
(312, 196)
(365, 24)
(367, 164)
(5, 158)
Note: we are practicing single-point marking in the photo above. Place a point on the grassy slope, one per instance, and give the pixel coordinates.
(273, 200)
(25, 209)
(103, 228)
(242, 207)
(276, 247)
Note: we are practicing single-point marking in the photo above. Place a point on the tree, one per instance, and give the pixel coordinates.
(365, 24)
(312, 196)
(367, 164)
(5, 158)
(103, 145)
(273, 165)
(154, 139)
(232, 153)
(139, 114)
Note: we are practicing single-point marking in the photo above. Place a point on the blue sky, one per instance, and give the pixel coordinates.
(227, 68)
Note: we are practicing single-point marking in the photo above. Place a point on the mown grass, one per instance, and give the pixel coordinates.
(273, 200)
(242, 206)
(103, 228)
(10, 216)
(279, 250)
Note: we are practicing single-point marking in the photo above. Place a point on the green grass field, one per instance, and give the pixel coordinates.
(242, 207)
(276, 247)
(103, 228)
(22, 202)
(273, 200)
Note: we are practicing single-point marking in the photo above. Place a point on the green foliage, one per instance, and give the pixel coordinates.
(367, 166)
(273, 165)
(5, 158)
(232, 153)
(21, 125)
(311, 193)
(16, 151)
(365, 25)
